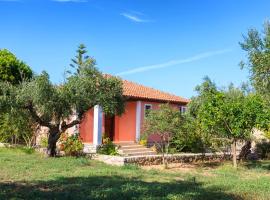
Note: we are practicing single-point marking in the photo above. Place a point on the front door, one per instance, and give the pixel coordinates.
(109, 127)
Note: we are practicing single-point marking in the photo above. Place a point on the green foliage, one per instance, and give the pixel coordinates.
(107, 148)
(165, 122)
(228, 115)
(82, 61)
(231, 113)
(17, 128)
(71, 145)
(13, 70)
(44, 142)
(28, 150)
(267, 134)
(257, 46)
(178, 130)
(188, 138)
(143, 142)
(263, 150)
(51, 105)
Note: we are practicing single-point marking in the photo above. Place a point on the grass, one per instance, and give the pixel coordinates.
(31, 176)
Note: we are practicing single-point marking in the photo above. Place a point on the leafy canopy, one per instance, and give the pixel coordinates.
(163, 122)
(257, 46)
(231, 113)
(11, 69)
(52, 105)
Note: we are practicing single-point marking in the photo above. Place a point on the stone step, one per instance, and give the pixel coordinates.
(137, 150)
(124, 143)
(141, 153)
(132, 147)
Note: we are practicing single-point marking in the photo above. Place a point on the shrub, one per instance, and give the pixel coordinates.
(17, 128)
(143, 142)
(44, 142)
(267, 134)
(263, 150)
(28, 150)
(107, 148)
(71, 145)
(105, 139)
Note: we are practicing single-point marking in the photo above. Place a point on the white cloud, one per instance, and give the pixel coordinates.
(74, 1)
(134, 17)
(175, 62)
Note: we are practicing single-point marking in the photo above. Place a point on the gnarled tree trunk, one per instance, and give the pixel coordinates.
(55, 132)
(54, 135)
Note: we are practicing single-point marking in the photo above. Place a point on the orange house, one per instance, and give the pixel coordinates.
(128, 126)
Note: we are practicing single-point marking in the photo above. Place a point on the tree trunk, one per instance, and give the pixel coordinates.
(52, 140)
(167, 152)
(163, 160)
(164, 154)
(234, 153)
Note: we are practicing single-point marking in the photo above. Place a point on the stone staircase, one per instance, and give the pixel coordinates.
(133, 149)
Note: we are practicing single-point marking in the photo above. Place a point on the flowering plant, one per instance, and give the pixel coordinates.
(71, 145)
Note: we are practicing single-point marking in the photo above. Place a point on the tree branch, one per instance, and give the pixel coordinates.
(65, 126)
(227, 126)
(36, 117)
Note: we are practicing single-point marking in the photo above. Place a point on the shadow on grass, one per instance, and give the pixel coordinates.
(209, 164)
(113, 187)
(264, 165)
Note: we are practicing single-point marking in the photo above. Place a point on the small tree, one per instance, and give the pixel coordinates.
(230, 114)
(189, 137)
(164, 122)
(51, 105)
(15, 127)
(13, 70)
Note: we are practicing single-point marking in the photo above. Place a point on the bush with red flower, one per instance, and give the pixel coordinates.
(71, 145)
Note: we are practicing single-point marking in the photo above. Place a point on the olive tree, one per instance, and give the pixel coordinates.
(51, 105)
(257, 46)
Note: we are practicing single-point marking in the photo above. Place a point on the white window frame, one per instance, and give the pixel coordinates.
(183, 109)
(151, 107)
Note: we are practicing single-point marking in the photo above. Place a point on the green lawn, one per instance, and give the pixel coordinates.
(31, 176)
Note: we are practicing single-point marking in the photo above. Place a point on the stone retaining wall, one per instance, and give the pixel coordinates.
(177, 158)
(157, 159)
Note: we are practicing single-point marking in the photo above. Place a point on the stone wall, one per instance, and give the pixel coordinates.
(177, 158)
(157, 159)
(89, 148)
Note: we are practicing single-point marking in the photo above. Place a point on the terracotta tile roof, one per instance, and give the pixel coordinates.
(137, 91)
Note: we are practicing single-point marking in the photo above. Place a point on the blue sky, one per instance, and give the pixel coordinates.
(166, 44)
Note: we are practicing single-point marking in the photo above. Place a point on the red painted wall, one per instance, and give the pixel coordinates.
(86, 127)
(125, 125)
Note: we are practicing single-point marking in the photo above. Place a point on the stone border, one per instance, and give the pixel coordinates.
(4, 145)
(111, 160)
(157, 159)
